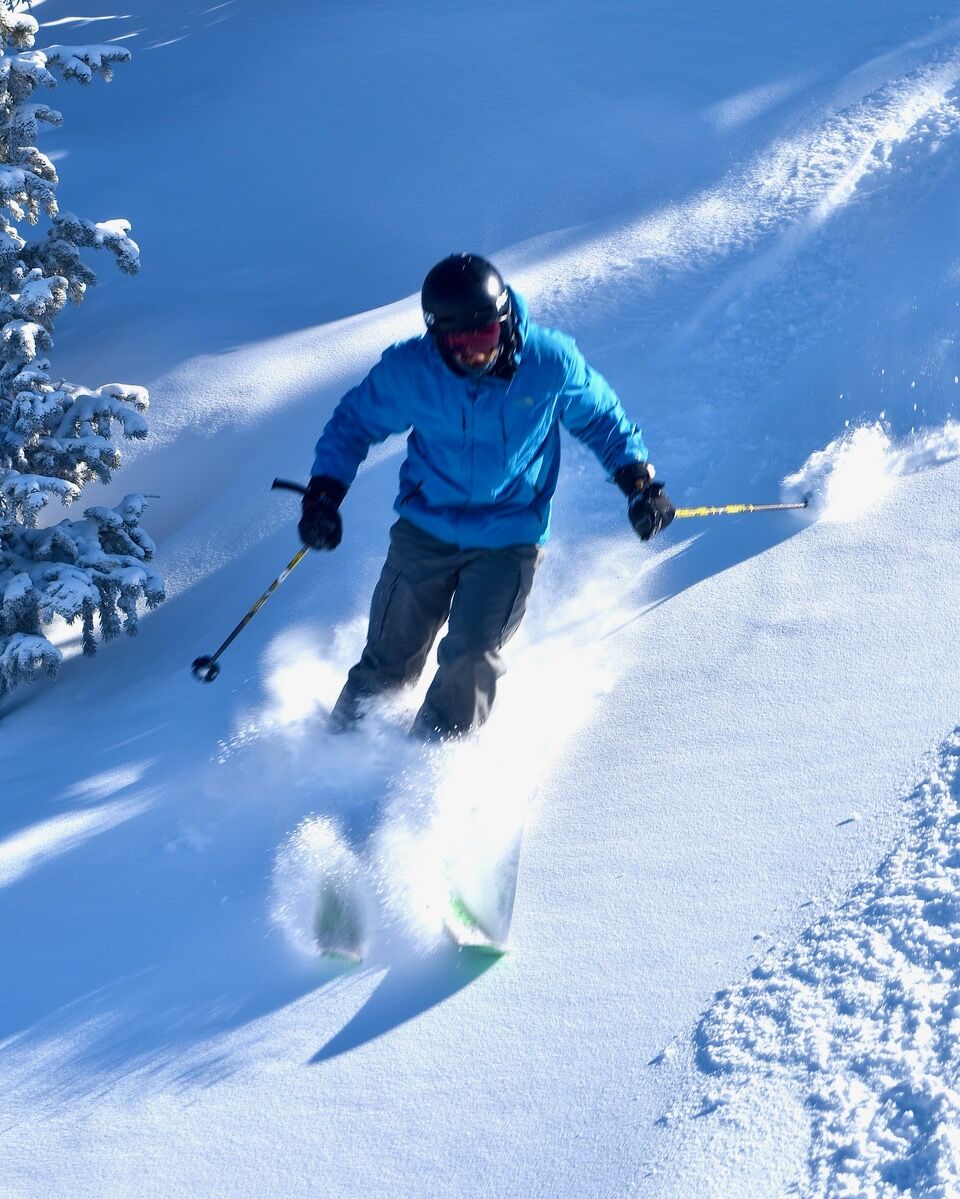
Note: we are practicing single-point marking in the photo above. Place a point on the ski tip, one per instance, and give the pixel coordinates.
(468, 934)
(476, 946)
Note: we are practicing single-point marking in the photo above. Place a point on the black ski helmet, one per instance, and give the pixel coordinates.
(464, 292)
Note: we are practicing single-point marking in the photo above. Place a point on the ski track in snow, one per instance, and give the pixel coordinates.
(792, 188)
(863, 1014)
(761, 269)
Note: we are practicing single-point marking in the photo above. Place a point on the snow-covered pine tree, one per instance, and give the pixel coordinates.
(56, 436)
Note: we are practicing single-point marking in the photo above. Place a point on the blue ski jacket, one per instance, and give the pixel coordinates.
(483, 454)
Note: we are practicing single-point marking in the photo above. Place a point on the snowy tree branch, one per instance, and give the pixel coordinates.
(55, 436)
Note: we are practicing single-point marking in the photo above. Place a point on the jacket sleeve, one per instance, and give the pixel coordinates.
(368, 414)
(591, 410)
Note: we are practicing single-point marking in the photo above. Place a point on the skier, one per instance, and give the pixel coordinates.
(482, 395)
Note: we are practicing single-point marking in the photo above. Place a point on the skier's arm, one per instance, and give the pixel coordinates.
(591, 410)
(368, 414)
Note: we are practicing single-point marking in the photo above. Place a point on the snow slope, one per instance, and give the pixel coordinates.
(734, 969)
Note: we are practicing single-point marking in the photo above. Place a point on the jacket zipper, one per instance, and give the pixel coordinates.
(472, 394)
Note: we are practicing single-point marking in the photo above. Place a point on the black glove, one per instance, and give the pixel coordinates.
(320, 525)
(650, 511)
(648, 506)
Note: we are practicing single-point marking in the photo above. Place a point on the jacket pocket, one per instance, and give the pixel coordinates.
(412, 494)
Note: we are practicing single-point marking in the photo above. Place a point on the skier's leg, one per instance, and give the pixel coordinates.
(410, 603)
(489, 603)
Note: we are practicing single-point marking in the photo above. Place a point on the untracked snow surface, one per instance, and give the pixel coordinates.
(733, 752)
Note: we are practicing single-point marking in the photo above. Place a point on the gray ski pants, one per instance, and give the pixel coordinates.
(424, 582)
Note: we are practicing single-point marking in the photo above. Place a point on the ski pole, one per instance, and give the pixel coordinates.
(205, 668)
(737, 509)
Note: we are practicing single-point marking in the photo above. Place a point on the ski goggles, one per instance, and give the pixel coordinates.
(465, 343)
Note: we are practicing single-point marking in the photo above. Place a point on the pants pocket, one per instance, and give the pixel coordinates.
(380, 604)
(518, 606)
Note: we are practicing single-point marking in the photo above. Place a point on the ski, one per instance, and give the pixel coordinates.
(338, 927)
(466, 931)
(481, 923)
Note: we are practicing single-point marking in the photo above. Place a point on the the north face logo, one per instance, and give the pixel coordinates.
(526, 402)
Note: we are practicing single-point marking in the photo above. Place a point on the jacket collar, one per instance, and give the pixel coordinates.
(521, 317)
